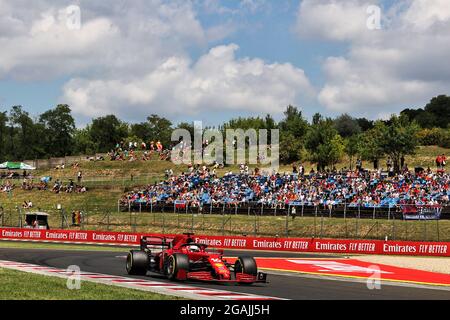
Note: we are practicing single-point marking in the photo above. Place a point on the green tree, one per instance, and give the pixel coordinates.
(369, 143)
(59, 127)
(346, 126)
(351, 148)
(83, 142)
(160, 129)
(141, 130)
(293, 123)
(3, 136)
(325, 145)
(106, 132)
(440, 107)
(25, 137)
(399, 139)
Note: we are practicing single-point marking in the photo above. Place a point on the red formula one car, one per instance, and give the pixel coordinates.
(182, 259)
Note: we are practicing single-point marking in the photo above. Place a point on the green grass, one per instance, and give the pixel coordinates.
(17, 285)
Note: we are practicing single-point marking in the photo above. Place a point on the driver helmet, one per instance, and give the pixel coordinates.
(194, 248)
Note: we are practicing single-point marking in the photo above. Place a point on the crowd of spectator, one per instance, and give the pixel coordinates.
(201, 186)
(128, 152)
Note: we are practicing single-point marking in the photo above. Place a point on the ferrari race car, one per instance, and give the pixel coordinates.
(181, 258)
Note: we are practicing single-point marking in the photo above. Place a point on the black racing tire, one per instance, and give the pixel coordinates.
(245, 265)
(175, 263)
(137, 263)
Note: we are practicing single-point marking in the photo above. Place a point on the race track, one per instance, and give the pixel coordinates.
(288, 286)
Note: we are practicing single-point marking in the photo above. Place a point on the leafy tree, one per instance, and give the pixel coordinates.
(3, 136)
(369, 143)
(399, 139)
(324, 143)
(290, 148)
(83, 142)
(142, 131)
(347, 126)
(160, 129)
(365, 124)
(59, 127)
(293, 123)
(25, 140)
(351, 148)
(106, 132)
(440, 107)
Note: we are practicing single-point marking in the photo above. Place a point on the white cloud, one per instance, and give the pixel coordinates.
(384, 71)
(114, 37)
(216, 81)
(333, 19)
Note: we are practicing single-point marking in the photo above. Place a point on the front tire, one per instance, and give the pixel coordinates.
(176, 264)
(137, 263)
(246, 265)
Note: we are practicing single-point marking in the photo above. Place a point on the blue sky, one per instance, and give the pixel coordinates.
(213, 60)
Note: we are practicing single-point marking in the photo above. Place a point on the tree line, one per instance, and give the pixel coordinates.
(323, 141)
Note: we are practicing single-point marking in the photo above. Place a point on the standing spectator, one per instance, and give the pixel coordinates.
(389, 163)
(358, 164)
(79, 176)
(443, 161)
(438, 161)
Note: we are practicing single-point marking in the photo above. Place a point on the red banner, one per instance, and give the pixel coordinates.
(233, 242)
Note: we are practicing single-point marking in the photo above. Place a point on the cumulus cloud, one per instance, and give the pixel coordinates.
(216, 81)
(333, 19)
(401, 65)
(114, 37)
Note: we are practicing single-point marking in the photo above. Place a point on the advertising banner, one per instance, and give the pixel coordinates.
(345, 246)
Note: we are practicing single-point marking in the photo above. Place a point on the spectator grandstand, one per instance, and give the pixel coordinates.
(352, 188)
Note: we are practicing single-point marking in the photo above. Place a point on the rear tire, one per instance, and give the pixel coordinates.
(246, 265)
(137, 263)
(175, 263)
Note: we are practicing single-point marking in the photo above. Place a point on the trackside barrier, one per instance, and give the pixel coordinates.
(410, 248)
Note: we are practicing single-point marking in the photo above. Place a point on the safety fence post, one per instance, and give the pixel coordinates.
(345, 219)
(287, 221)
(437, 229)
(321, 224)
(315, 218)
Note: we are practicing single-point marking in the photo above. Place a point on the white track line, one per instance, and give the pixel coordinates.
(172, 289)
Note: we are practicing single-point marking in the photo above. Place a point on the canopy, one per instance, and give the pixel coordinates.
(16, 166)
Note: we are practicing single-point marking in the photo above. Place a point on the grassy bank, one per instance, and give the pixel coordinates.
(17, 285)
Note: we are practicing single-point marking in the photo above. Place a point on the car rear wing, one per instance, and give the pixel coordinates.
(155, 242)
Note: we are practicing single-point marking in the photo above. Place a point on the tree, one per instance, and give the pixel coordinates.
(324, 143)
(59, 127)
(351, 148)
(106, 132)
(365, 124)
(346, 126)
(293, 123)
(160, 129)
(290, 148)
(440, 107)
(3, 135)
(24, 136)
(369, 143)
(399, 139)
(83, 142)
(141, 130)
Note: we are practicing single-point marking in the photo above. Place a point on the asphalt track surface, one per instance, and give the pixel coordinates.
(288, 286)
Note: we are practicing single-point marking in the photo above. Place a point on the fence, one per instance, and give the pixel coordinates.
(314, 222)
